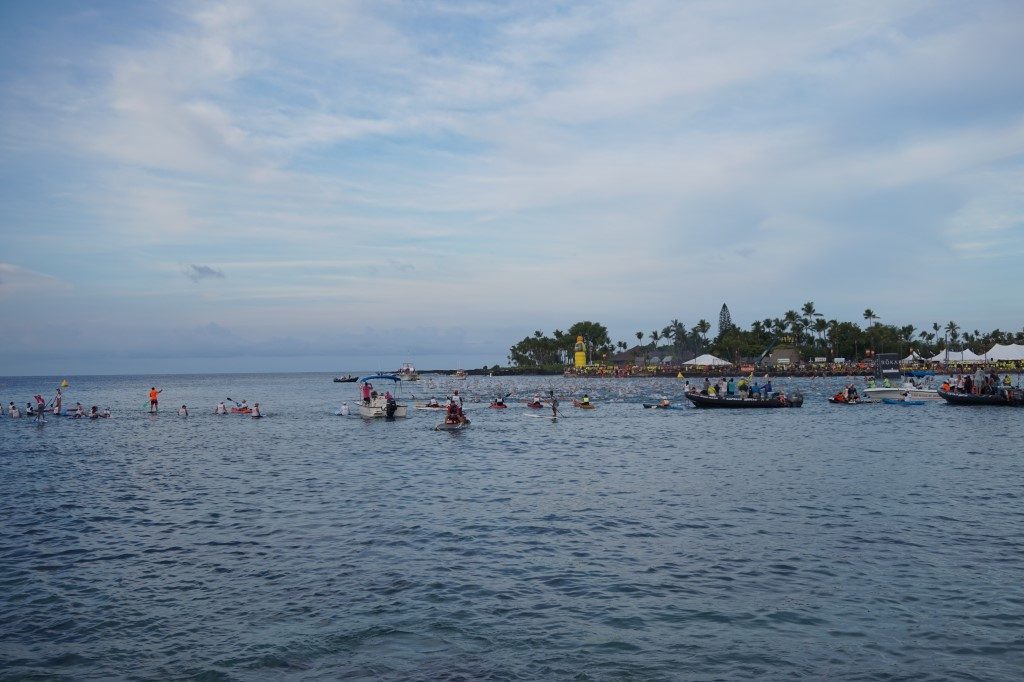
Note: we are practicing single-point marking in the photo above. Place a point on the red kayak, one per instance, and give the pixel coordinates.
(241, 410)
(535, 406)
(498, 406)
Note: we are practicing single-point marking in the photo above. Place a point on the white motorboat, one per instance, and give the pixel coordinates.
(408, 373)
(379, 406)
(916, 392)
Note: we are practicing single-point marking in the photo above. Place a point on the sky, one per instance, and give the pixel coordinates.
(324, 186)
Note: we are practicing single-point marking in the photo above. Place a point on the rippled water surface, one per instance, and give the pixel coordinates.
(825, 542)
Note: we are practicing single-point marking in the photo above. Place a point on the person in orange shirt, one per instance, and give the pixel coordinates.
(153, 393)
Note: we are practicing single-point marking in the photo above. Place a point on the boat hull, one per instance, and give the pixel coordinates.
(896, 393)
(1005, 398)
(701, 400)
(379, 411)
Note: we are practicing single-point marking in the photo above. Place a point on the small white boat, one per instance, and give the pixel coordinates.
(379, 406)
(460, 374)
(897, 392)
(408, 373)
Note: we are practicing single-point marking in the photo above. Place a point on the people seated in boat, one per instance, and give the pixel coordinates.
(94, 412)
(710, 391)
(906, 397)
(433, 403)
(586, 400)
(535, 401)
(664, 402)
(78, 412)
(706, 387)
(945, 386)
(730, 387)
(840, 397)
(871, 382)
(388, 397)
(452, 415)
(499, 401)
(886, 383)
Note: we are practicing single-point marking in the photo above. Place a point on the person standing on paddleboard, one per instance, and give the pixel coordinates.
(554, 405)
(153, 393)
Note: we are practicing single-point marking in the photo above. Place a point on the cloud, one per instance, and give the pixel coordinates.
(200, 272)
(15, 280)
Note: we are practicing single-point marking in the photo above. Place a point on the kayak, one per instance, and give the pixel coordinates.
(847, 402)
(241, 410)
(498, 406)
(583, 406)
(535, 406)
(900, 401)
(659, 406)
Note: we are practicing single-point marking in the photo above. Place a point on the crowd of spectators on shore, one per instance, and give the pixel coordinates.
(807, 369)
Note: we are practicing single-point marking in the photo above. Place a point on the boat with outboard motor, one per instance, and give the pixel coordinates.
(727, 401)
(379, 405)
(1005, 396)
(347, 379)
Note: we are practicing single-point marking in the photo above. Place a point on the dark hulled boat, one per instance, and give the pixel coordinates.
(701, 400)
(1006, 397)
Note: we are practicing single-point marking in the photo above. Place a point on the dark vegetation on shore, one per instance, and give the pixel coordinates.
(807, 330)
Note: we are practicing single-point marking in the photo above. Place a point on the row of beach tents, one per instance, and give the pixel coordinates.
(998, 353)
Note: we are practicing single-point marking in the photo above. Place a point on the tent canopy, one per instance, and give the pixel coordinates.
(958, 356)
(913, 357)
(706, 360)
(999, 352)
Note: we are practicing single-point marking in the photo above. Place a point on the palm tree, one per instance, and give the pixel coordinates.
(820, 327)
(870, 316)
(702, 328)
(953, 330)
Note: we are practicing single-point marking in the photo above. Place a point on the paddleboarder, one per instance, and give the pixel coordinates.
(153, 395)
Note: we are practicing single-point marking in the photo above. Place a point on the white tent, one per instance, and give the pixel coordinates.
(910, 359)
(967, 356)
(999, 352)
(705, 360)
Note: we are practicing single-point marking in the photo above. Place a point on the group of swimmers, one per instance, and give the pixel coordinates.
(42, 409)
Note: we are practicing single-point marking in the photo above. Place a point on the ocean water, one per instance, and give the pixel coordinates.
(826, 542)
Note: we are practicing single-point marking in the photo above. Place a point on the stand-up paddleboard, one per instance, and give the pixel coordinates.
(444, 426)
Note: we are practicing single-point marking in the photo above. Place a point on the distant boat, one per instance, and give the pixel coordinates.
(347, 379)
(460, 374)
(408, 372)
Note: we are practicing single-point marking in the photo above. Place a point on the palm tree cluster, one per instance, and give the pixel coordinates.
(807, 329)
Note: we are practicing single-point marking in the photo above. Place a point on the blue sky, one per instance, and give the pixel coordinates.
(234, 186)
